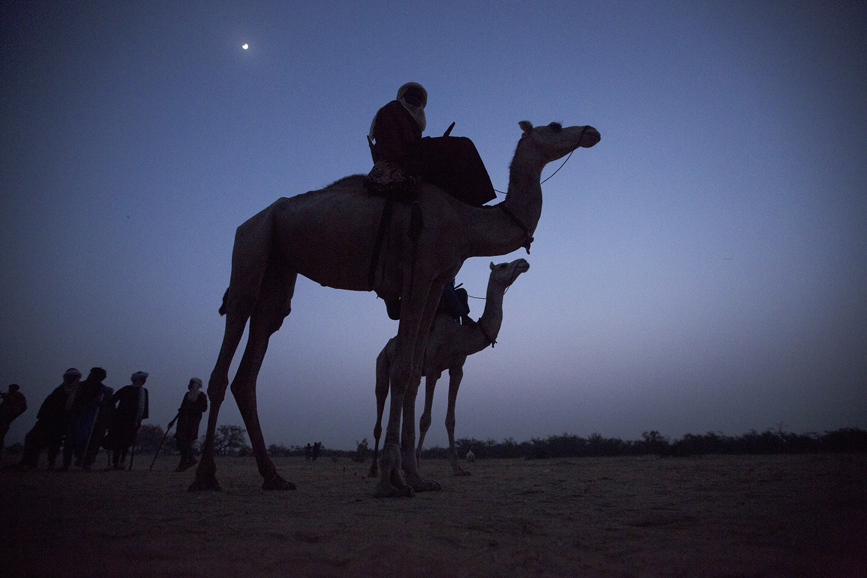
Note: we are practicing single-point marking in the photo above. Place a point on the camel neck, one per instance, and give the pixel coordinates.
(497, 231)
(492, 317)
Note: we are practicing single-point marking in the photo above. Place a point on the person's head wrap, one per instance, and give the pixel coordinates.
(139, 376)
(417, 112)
(97, 373)
(72, 373)
(13, 387)
(195, 382)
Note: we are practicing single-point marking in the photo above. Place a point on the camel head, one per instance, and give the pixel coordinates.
(554, 141)
(505, 274)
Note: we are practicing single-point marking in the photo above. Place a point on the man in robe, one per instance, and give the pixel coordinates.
(132, 408)
(82, 416)
(451, 163)
(194, 404)
(51, 422)
(14, 404)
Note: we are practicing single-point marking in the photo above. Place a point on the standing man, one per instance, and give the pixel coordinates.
(132, 407)
(194, 404)
(451, 163)
(14, 403)
(51, 422)
(82, 417)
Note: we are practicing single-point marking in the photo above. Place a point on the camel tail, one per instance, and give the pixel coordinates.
(223, 306)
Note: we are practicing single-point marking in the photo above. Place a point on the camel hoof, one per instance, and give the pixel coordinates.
(277, 483)
(390, 491)
(202, 486)
(420, 484)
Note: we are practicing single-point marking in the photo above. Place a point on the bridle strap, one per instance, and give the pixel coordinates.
(528, 238)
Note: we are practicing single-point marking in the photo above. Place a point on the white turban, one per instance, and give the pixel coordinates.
(417, 112)
(138, 376)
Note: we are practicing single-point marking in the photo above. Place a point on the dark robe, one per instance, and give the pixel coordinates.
(451, 163)
(125, 423)
(189, 417)
(51, 422)
(14, 404)
(103, 420)
(83, 412)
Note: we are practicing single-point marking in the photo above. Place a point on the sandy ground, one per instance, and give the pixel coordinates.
(707, 516)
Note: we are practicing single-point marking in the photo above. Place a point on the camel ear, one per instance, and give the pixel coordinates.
(526, 126)
(492, 265)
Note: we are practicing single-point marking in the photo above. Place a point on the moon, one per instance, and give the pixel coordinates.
(245, 46)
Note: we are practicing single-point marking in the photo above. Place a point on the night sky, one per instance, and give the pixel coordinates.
(703, 268)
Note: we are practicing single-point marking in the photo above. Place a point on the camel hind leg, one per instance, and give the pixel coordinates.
(251, 256)
(274, 305)
(236, 321)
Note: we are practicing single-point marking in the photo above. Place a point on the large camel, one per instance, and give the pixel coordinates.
(448, 345)
(329, 236)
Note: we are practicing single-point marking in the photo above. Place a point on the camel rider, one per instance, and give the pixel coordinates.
(451, 163)
(400, 153)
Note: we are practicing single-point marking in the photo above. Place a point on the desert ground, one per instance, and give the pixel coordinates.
(751, 516)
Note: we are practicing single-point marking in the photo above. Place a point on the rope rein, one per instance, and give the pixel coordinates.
(549, 176)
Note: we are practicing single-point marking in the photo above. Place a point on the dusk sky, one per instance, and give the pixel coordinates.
(703, 268)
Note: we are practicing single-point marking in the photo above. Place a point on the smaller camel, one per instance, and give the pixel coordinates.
(448, 345)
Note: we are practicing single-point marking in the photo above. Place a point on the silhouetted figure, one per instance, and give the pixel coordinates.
(401, 154)
(100, 426)
(308, 453)
(14, 404)
(132, 407)
(51, 422)
(451, 163)
(194, 404)
(317, 447)
(82, 416)
(455, 302)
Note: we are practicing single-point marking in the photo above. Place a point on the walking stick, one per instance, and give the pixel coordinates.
(168, 428)
(134, 442)
(89, 436)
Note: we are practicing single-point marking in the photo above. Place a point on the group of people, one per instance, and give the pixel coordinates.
(311, 453)
(81, 417)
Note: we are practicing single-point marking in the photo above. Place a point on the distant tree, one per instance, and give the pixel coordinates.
(654, 443)
(846, 440)
(229, 440)
(361, 451)
(149, 438)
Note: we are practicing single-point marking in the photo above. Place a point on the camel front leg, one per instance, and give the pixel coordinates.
(416, 315)
(407, 441)
(456, 374)
(430, 383)
(391, 482)
(382, 368)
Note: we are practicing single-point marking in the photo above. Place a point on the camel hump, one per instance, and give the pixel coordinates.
(352, 181)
